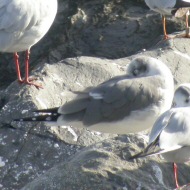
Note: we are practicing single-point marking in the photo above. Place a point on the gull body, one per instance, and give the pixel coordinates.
(22, 24)
(170, 133)
(166, 7)
(177, 8)
(124, 104)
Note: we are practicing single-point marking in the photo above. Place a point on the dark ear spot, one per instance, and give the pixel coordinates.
(143, 68)
(187, 100)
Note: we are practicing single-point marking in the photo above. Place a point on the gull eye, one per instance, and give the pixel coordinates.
(187, 100)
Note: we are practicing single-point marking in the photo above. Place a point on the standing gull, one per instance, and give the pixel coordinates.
(22, 24)
(177, 8)
(170, 133)
(124, 104)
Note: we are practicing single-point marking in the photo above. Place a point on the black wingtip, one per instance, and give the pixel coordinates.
(138, 155)
(151, 149)
(144, 154)
(181, 4)
(40, 118)
(51, 110)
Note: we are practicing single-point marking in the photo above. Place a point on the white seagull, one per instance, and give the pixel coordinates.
(177, 8)
(22, 24)
(170, 135)
(124, 104)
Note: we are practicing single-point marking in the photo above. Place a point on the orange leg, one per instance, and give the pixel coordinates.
(187, 20)
(164, 27)
(175, 175)
(16, 57)
(187, 25)
(28, 80)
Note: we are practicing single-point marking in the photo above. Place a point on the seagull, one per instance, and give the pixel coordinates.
(170, 133)
(176, 8)
(22, 24)
(123, 104)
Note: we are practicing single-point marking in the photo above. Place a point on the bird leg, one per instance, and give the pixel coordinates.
(187, 25)
(16, 58)
(175, 174)
(164, 27)
(28, 80)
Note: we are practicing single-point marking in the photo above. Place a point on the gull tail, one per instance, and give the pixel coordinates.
(151, 149)
(182, 4)
(46, 115)
(45, 118)
(50, 110)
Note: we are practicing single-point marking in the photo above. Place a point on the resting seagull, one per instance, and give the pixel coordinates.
(177, 8)
(170, 133)
(124, 104)
(22, 24)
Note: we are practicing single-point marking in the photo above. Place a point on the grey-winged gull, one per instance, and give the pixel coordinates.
(124, 104)
(177, 8)
(170, 133)
(22, 24)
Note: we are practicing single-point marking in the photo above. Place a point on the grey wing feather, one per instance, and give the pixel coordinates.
(151, 149)
(117, 99)
(124, 96)
(74, 106)
(182, 3)
(107, 109)
(17, 15)
(133, 95)
(110, 88)
(93, 113)
(161, 123)
(80, 102)
(85, 109)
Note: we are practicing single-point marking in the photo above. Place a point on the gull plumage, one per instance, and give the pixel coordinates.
(124, 104)
(177, 8)
(170, 133)
(22, 24)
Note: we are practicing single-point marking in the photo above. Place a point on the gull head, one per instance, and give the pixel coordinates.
(143, 66)
(182, 96)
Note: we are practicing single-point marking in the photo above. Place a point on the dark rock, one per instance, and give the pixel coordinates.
(103, 166)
